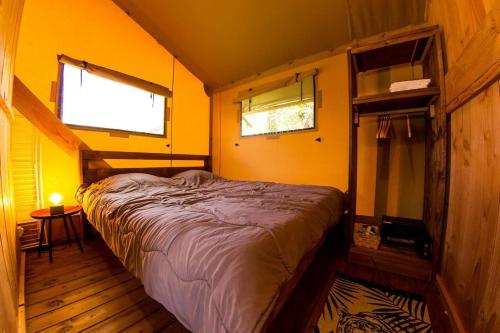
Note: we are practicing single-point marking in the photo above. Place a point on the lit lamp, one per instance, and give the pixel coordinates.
(56, 208)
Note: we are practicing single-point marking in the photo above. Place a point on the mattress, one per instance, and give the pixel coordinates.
(213, 251)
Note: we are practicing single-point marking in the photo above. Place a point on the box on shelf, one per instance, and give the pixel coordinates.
(366, 235)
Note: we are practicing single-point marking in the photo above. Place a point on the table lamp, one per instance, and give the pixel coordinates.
(56, 208)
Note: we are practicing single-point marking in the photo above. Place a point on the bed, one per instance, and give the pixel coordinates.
(221, 255)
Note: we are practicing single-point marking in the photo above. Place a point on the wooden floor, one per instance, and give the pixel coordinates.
(93, 292)
(89, 292)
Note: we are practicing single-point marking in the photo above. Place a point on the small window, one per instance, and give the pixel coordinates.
(89, 101)
(286, 109)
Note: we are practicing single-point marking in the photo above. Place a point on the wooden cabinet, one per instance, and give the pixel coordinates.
(419, 48)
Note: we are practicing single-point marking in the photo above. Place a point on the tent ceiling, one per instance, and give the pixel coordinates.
(222, 41)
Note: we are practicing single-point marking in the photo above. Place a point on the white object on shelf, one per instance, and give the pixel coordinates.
(409, 85)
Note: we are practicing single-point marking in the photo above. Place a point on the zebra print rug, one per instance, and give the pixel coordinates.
(358, 306)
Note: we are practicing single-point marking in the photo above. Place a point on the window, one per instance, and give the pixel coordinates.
(90, 99)
(287, 109)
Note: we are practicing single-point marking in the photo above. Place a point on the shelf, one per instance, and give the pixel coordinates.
(408, 99)
(392, 259)
(373, 57)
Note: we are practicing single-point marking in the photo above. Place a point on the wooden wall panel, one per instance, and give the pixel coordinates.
(470, 272)
(10, 18)
(471, 263)
(8, 260)
(10, 21)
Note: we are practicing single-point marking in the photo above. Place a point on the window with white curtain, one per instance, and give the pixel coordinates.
(286, 109)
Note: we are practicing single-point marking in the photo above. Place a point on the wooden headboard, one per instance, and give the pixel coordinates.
(94, 168)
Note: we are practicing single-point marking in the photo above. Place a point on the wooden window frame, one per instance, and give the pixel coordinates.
(118, 132)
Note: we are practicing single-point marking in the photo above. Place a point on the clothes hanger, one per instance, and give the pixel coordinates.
(379, 128)
(408, 126)
(387, 129)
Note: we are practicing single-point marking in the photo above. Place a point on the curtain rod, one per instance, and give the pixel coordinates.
(116, 76)
(251, 92)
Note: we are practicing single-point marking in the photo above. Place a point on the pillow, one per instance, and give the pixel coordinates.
(195, 177)
(125, 182)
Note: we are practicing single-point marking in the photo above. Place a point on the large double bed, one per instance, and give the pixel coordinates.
(221, 255)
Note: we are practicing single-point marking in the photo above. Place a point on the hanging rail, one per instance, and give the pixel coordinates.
(396, 113)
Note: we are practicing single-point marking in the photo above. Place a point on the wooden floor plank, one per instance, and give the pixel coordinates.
(90, 291)
(71, 310)
(100, 313)
(153, 323)
(59, 301)
(51, 281)
(70, 286)
(127, 317)
(37, 268)
(76, 265)
(59, 252)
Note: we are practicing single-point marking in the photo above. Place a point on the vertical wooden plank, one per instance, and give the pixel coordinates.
(353, 145)
(472, 253)
(8, 265)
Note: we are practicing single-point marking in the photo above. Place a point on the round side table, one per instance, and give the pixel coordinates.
(45, 216)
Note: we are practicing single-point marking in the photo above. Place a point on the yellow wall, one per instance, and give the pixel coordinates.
(294, 157)
(99, 32)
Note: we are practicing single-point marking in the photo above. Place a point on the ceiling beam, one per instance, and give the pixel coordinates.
(45, 120)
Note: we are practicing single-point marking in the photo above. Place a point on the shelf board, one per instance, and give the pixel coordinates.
(408, 99)
(393, 53)
(392, 259)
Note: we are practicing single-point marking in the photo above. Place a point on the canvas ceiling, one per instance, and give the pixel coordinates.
(222, 41)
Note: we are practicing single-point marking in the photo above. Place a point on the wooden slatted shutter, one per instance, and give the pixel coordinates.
(25, 174)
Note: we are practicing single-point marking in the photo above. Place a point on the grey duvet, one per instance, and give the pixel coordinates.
(213, 251)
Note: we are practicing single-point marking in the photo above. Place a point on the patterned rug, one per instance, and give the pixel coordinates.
(358, 306)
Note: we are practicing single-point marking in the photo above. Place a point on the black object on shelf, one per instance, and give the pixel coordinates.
(406, 232)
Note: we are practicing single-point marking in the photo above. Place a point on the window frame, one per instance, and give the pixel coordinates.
(60, 111)
(309, 129)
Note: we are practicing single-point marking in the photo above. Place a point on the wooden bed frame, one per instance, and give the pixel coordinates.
(94, 168)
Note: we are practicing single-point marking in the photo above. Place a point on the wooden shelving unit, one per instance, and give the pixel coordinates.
(418, 47)
(412, 48)
(409, 99)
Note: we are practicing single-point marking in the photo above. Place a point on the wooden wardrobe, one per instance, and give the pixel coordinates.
(419, 50)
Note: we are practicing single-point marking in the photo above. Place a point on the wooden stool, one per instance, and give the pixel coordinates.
(44, 215)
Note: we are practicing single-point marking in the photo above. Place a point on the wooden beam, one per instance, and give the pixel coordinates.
(44, 119)
(479, 64)
(123, 155)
